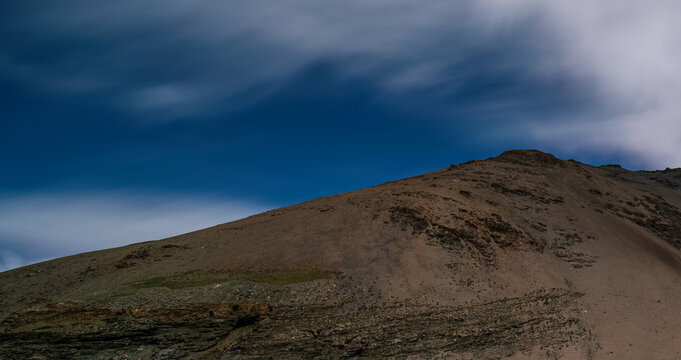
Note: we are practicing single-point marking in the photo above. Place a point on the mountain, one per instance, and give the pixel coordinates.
(519, 256)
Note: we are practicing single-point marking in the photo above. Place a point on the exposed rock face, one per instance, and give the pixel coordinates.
(491, 329)
(519, 256)
(528, 158)
(67, 330)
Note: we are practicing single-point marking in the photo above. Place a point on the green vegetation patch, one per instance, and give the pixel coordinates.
(198, 278)
(287, 277)
(102, 297)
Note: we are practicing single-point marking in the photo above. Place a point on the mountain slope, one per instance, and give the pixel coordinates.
(519, 256)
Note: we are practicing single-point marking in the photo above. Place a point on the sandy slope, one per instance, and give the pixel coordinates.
(519, 256)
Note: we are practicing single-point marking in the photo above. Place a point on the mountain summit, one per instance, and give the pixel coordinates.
(519, 256)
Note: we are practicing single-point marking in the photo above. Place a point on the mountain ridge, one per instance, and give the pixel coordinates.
(522, 255)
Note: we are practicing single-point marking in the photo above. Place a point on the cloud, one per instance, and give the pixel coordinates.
(625, 52)
(10, 260)
(48, 225)
(47, 78)
(178, 55)
(629, 52)
(167, 101)
(182, 59)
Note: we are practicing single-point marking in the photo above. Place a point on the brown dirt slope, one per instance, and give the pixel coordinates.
(519, 256)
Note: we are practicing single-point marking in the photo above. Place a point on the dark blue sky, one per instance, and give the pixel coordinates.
(317, 134)
(151, 115)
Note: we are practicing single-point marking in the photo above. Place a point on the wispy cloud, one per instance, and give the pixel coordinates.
(630, 52)
(180, 59)
(10, 260)
(48, 225)
(220, 49)
(168, 101)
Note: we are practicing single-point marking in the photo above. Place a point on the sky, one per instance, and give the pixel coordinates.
(128, 121)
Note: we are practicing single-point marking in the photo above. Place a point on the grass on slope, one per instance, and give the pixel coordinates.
(196, 278)
(205, 278)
